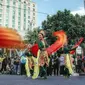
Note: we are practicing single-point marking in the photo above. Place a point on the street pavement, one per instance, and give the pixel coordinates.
(53, 80)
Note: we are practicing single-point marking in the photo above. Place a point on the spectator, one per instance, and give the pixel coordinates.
(62, 65)
(16, 64)
(22, 65)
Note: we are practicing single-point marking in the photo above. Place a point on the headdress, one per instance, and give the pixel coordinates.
(42, 32)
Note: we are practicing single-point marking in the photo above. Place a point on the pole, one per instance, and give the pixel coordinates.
(84, 5)
(10, 51)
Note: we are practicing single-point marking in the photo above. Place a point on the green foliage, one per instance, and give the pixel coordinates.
(32, 36)
(73, 25)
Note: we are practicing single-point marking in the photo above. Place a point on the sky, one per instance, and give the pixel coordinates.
(51, 7)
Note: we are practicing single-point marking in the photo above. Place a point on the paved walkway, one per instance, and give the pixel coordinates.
(54, 80)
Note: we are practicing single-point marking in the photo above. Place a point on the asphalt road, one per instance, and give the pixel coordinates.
(53, 80)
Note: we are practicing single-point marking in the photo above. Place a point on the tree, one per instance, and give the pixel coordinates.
(73, 25)
(32, 36)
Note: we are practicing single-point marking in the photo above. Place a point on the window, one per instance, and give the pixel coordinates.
(19, 27)
(13, 12)
(13, 26)
(28, 4)
(28, 17)
(18, 23)
(33, 24)
(14, 3)
(19, 18)
(7, 1)
(19, 13)
(7, 6)
(7, 25)
(0, 10)
(19, 9)
(33, 5)
(1, 1)
(20, 0)
(0, 20)
(33, 14)
(33, 18)
(24, 20)
(28, 25)
(6, 20)
(13, 21)
(0, 6)
(7, 10)
(13, 17)
(28, 8)
(28, 21)
(33, 9)
(24, 15)
(28, 12)
(24, 26)
(0, 15)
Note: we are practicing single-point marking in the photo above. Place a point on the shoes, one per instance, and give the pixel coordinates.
(66, 76)
(45, 78)
(61, 75)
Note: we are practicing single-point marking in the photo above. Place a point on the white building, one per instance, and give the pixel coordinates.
(18, 14)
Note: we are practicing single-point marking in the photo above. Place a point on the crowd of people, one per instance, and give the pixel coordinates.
(16, 65)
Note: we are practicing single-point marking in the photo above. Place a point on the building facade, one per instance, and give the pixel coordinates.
(18, 14)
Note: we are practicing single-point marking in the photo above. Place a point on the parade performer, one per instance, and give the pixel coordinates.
(29, 62)
(68, 61)
(43, 55)
(68, 58)
(40, 52)
(41, 62)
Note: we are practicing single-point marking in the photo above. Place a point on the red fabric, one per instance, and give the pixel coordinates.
(61, 40)
(35, 49)
(76, 45)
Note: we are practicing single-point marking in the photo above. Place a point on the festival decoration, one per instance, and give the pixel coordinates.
(76, 45)
(61, 40)
(9, 38)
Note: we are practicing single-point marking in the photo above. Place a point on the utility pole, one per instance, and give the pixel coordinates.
(84, 5)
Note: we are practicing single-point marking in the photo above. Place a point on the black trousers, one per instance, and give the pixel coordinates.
(66, 72)
(56, 69)
(3, 68)
(23, 71)
(49, 71)
(43, 71)
(62, 70)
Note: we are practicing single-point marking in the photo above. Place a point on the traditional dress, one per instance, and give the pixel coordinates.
(43, 59)
(28, 64)
(68, 61)
(41, 62)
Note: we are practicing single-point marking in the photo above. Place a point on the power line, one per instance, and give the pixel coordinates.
(24, 9)
(21, 1)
